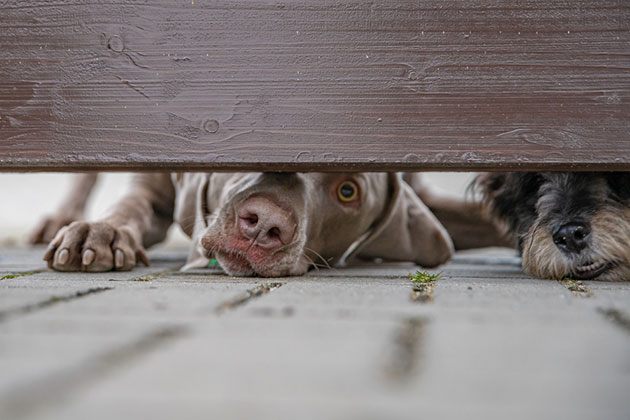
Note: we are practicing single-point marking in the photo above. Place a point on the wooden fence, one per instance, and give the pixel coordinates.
(315, 85)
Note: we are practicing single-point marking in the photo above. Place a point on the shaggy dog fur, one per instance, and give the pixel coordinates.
(566, 225)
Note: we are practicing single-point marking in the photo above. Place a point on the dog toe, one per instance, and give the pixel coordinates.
(93, 247)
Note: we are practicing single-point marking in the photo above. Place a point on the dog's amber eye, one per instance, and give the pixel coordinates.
(347, 192)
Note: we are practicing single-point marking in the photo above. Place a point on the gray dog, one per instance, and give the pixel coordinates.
(573, 225)
(265, 224)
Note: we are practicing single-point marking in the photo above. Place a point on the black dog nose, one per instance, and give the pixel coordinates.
(572, 237)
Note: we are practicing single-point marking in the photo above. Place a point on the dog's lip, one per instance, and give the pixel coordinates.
(234, 261)
(237, 263)
(592, 270)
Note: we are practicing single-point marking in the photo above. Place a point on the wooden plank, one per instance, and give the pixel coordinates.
(315, 85)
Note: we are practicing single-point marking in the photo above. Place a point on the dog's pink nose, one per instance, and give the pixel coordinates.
(266, 223)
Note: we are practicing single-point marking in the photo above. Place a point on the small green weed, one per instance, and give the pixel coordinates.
(424, 277)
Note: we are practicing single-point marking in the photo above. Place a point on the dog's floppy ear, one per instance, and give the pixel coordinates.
(407, 231)
(191, 209)
(187, 201)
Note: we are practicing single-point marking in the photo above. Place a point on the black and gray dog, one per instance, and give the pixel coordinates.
(566, 225)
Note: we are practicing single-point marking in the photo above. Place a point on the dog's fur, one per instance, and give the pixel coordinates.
(298, 221)
(534, 207)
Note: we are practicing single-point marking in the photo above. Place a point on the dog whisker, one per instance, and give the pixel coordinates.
(326, 264)
(311, 262)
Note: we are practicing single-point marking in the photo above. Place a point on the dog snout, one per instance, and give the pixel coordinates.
(572, 237)
(265, 223)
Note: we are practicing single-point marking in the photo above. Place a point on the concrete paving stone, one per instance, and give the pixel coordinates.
(127, 301)
(358, 298)
(374, 297)
(344, 343)
(230, 360)
(515, 369)
(37, 346)
(525, 368)
(28, 359)
(535, 358)
(571, 358)
(493, 292)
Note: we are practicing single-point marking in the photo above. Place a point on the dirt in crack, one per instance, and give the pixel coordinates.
(51, 301)
(246, 296)
(576, 287)
(406, 352)
(617, 317)
(149, 277)
(422, 293)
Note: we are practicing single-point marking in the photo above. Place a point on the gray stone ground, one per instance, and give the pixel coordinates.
(357, 343)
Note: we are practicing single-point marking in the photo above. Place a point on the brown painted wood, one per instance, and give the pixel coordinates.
(307, 84)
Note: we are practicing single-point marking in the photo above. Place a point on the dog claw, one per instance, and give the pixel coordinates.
(119, 258)
(63, 256)
(50, 252)
(142, 256)
(88, 257)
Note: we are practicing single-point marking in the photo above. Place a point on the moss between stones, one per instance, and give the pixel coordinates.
(17, 275)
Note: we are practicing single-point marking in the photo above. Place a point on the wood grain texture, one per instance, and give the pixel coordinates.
(315, 85)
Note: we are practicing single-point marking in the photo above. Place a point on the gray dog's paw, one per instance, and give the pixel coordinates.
(83, 246)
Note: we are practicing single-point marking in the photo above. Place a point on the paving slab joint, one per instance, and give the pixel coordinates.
(152, 276)
(577, 288)
(617, 317)
(246, 296)
(406, 353)
(51, 301)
